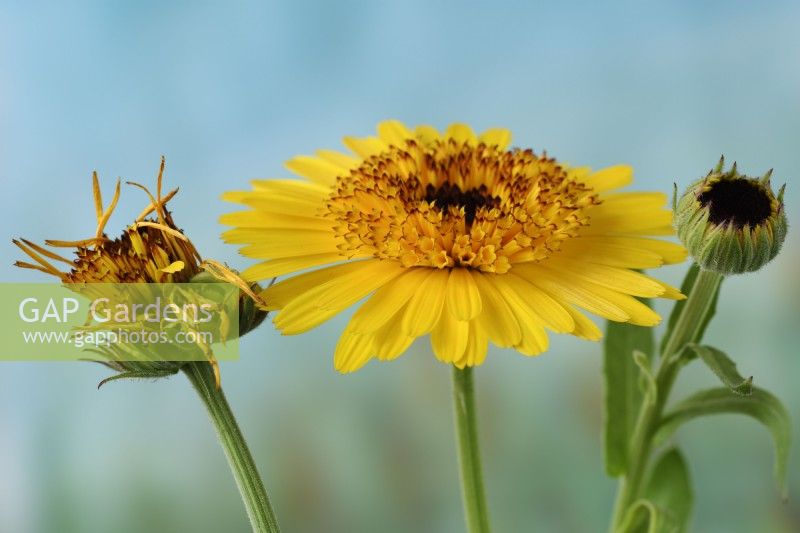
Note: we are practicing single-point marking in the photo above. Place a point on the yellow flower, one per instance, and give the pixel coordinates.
(151, 250)
(455, 235)
(148, 251)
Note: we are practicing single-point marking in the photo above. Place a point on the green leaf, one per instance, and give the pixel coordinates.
(670, 489)
(760, 405)
(645, 517)
(623, 395)
(686, 288)
(724, 368)
(647, 383)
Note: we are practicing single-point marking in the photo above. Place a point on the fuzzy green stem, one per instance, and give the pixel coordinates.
(259, 510)
(469, 458)
(686, 330)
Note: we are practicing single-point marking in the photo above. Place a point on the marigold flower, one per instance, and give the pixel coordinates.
(455, 235)
(151, 250)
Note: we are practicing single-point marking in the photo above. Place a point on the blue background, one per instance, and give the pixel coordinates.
(228, 91)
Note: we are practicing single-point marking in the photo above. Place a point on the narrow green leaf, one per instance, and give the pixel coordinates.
(761, 405)
(724, 368)
(670, 489)
(686, 288)
(622, 393)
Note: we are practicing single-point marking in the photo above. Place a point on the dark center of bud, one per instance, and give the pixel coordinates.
(450, 195)
(741, 202)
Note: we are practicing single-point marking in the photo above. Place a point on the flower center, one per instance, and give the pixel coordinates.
(450, 195)
(741, 202)
(137, 256)
(449, 204)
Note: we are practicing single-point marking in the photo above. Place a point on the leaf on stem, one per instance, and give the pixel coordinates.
(623, 395)
(724, 368)
(761, 405)
(670, 490)
(645, 517)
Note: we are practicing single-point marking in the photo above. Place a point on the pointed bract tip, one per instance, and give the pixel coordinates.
(674, 196)
(720, 165)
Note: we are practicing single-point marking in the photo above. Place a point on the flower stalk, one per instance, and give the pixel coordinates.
(469, 460)
(259, 510)
(686, 330)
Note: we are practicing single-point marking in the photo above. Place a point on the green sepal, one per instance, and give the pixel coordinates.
(761, 405)
(137, 375)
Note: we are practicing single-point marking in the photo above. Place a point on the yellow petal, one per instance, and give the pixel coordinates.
(618, 279)
(499, 137)
(496, 316)
(534, 339)
(425, 304)
(343, 161)
(625, 252)
(289, 197)
(292, 188)
(352, 352)
(273, 244)
(462, 297)
(174, 267)
(584, 327)
(286, 265)
(280, 294)
(314, 168)
(600, 300)
(261, 219)
(320, 303)
(609, 178)
(449, 338)
(387, 301)
(461, 133)
(567, 287)
(394, 132)
(577, 173)
(390, 342)
(477, 347)
(549, 312)
(280, 236)
(426, 134)
(609, 254)
(640, 314)
(365, 146)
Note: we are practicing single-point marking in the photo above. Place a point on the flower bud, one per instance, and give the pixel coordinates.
(731, 223)
(251, 315)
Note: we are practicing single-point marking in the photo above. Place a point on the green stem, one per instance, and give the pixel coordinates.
(687, 329)
(469, 458)
(262, 517)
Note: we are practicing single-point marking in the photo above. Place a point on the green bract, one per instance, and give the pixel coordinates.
(731, 223)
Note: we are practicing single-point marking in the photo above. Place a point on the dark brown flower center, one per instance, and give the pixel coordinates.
(741, 202)
(450, 195)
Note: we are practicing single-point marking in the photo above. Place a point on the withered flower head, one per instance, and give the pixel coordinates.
(150, 250)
